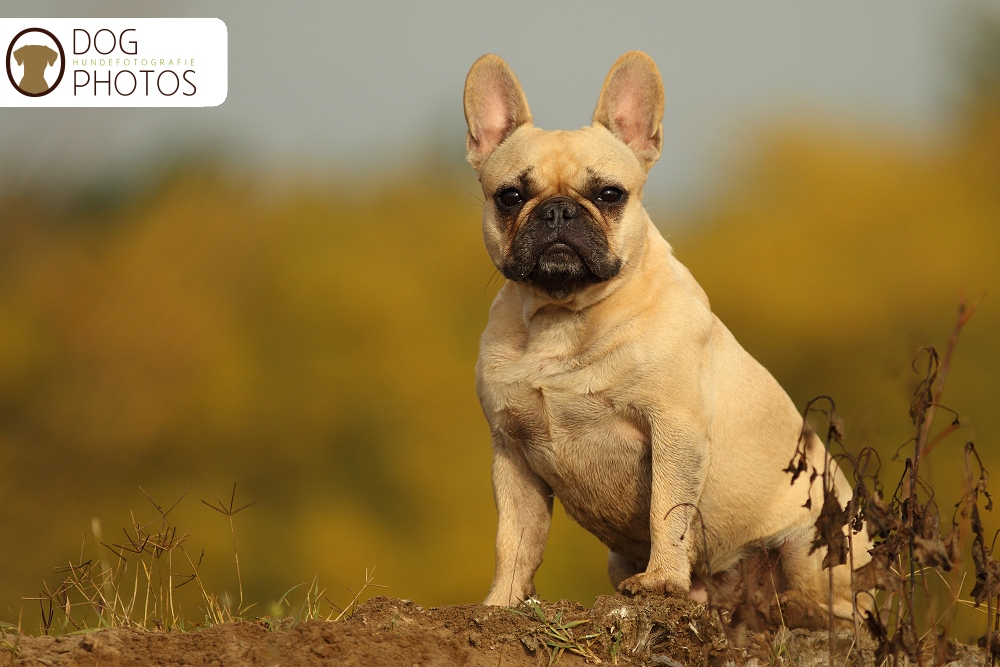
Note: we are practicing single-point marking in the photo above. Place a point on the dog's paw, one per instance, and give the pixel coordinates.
(509, 597)
(653, 582)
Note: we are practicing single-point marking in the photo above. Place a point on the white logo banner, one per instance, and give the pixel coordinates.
(114, 62)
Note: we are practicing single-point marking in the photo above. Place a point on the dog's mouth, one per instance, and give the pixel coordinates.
(559, 257)
(560, 260)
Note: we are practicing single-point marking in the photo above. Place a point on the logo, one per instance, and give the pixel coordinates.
(114, 62)
(32, 62)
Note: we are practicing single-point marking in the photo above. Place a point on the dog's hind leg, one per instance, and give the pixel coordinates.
(805, 572)
(621, 568)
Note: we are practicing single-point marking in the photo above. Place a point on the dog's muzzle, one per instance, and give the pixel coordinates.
(560, 249)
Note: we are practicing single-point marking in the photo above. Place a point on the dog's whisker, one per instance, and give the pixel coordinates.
(494, 274)
(479, 199)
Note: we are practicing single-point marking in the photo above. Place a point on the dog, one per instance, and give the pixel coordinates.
(605, 377)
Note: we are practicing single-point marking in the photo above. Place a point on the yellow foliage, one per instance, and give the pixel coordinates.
(317, 347)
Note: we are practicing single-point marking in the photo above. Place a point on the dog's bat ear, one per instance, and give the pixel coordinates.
(495, 106)
(631, 105)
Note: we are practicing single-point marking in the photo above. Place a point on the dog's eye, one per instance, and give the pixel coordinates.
(510, 197)
(610, 195)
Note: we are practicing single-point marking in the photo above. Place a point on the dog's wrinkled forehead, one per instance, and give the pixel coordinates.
(562, 161)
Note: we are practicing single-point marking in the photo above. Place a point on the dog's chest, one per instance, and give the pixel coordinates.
(581, 436)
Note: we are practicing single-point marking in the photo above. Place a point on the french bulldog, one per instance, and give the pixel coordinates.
(605, 377)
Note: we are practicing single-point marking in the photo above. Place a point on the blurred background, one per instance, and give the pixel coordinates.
(286, 292)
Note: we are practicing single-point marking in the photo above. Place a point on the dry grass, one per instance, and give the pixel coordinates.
(557, 636)
(132, 583)
(312, 608)
(5, 644)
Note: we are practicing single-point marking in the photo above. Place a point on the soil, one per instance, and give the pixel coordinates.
(388, 631)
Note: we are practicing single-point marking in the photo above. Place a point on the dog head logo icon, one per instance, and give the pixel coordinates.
(32, 57)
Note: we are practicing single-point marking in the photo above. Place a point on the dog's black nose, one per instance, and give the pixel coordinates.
(557, 209)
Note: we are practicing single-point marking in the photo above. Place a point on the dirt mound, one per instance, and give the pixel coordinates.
(387, 631)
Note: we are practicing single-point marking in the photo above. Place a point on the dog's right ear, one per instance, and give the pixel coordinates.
(495, 106)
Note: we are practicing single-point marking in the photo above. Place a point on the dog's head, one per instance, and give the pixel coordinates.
(564, 208)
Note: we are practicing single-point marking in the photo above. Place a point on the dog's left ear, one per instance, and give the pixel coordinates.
(631, 105)
(495, 106)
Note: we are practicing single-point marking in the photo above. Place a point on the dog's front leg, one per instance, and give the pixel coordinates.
(679, 461)
(524, 512)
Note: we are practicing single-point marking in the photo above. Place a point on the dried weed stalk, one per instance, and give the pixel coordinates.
(229, 512)
(908, 545)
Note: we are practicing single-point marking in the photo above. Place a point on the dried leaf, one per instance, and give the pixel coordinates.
(945, 650)
(987, 573)
(836, 431)
(906, 641)
(796, 468)
(923, 395)
(880, 518)
(928, 549)
(931, 552)
(876, 573)
(993, 639)
(830, 531)
(881, 635)
(953, 545)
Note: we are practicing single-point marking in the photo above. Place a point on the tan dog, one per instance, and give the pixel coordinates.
(605, 377)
